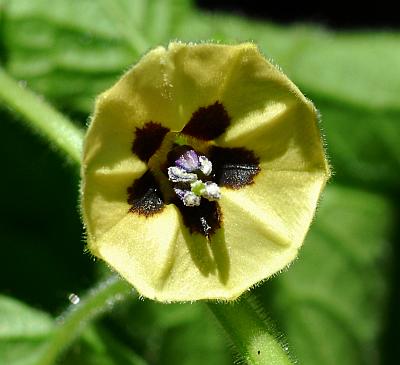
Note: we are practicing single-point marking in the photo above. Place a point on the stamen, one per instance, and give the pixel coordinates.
(211, 191)
(176, 174)
(205, 165)
(190, 189)
(188, 198)
(180, 193)
(189, 161)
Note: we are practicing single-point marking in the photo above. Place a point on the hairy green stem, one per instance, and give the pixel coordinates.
(252, 336)
(42, 117)
(71, 323)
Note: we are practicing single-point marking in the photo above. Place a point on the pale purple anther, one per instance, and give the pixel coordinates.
(188, 198)
(180, 192)
(189, 161)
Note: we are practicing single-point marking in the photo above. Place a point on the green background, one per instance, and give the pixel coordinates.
(337, 304)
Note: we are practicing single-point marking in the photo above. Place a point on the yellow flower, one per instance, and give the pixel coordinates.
(202, 169)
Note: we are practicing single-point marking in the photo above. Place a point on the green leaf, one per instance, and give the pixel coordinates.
(98, 347)
(173, 333)
(23, 331)
(17, 321)
(70, 51)
(330, 303)
(190, 343)
(363, 144)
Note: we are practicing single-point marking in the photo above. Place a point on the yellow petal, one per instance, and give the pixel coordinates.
(142, 249)
(288, 139)
(146, 92)
(201, 72)
(270, 114)
(283, 202)
(263, 226)
(255, 86)
(105, 200)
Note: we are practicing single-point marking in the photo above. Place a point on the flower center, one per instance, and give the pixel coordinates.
(187, 175)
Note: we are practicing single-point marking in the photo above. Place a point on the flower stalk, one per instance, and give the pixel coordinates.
(42, 117)
(72, 322)
(252, 336)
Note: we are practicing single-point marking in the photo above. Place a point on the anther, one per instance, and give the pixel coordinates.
(177, 174)
(205, 165)
(211, 191)
(188, 198)
(189, 161)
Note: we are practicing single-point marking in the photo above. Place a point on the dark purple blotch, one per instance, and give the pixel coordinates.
(234, 167)
(148, 140)
(144, 196)
(204, 219)
(208, 123)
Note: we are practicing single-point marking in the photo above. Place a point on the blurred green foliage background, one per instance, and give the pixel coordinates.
(337, 304)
